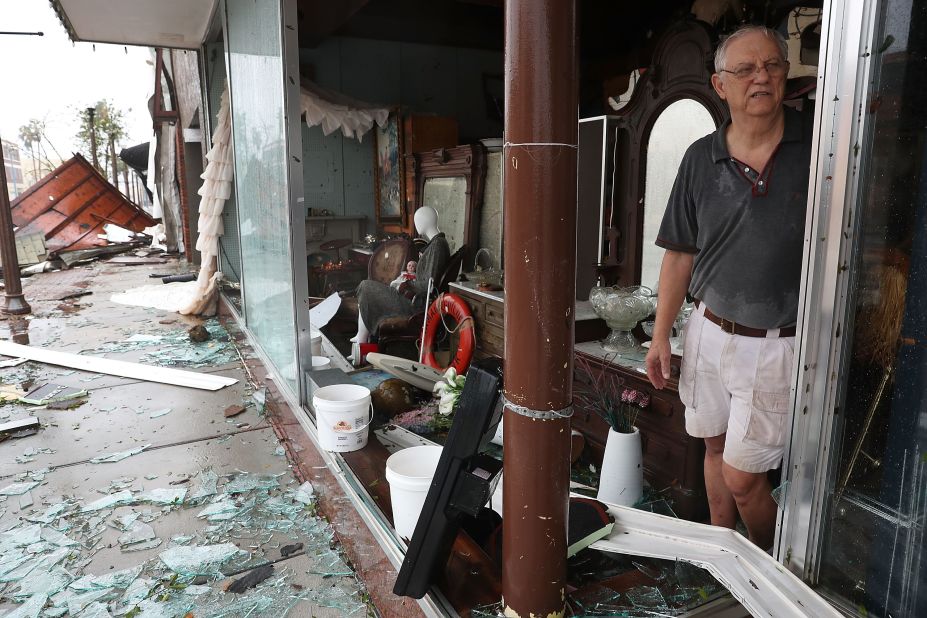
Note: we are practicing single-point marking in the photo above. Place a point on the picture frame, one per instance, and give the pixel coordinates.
(389, 177)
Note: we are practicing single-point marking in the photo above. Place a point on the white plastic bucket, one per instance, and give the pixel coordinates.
(321, 362)
(409, 473)
(342, 414)
(316, 338)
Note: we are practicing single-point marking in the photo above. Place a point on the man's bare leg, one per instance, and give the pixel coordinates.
(753, 496)
(720, 501)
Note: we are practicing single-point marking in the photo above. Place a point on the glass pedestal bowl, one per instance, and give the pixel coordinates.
(622, 308)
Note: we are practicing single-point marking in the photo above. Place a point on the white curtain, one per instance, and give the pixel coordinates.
(216, 189)
(334, 111)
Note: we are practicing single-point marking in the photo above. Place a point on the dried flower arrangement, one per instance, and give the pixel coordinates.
(606, 394)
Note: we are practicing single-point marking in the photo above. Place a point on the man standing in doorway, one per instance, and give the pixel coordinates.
(733, 234)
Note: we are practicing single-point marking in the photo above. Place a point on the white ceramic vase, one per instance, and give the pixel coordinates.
(622, 476)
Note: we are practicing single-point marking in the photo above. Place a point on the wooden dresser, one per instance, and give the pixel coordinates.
(673, 461)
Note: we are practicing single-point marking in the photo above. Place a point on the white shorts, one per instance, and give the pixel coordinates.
(739, 386)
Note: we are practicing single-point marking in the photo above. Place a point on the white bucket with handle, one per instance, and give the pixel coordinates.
(409, 473)
(342, 414)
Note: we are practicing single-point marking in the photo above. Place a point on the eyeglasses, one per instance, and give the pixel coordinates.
(773, 68)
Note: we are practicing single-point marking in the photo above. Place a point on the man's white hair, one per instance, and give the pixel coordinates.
(721, 52)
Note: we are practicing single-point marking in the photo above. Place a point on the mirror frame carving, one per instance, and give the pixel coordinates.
(467, 161)
(681, 69)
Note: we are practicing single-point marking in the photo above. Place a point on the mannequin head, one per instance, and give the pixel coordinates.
(426, 222)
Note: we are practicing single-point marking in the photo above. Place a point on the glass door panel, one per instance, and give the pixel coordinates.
(872, 556)
(258, 126)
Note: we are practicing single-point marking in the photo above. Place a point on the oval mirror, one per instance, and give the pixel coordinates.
(676, 128)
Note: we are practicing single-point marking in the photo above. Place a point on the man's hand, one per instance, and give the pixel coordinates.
(658, 361)
(675, 274)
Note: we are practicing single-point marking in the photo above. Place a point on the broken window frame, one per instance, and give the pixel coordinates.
(164, 109)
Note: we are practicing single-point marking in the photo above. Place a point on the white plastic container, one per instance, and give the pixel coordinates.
(321, 362)
(316, 338)
(622, 477)
(409, 473)
(342, 414)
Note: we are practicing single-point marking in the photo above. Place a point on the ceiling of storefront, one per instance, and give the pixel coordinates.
(164, 23)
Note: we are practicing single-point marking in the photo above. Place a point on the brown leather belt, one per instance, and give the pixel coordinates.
(733, 328)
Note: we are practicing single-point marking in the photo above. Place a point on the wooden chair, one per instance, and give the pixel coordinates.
(389, 259)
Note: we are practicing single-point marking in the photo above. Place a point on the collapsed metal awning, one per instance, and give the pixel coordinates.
(71, 205)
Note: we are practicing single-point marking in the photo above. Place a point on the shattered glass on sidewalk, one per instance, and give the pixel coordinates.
(176, 349)
(250, 520)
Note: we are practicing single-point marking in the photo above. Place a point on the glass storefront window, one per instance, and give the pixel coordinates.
(872, 555)
(258, 126)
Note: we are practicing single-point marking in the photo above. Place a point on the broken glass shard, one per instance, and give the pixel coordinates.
(51, 513)
(96, 610)
(54, 537)
(198, 559)
(142, 546)
(118, 456)
(77, 602)
(29, 609)
(222, 509)
(305, 493)
(124, 522)
(163, 495)
(118, 579)
(17, 489)
(137, 532)
(207, 481)
(260, 399)
(647, 597)
(159, 413)
(137, 591)
(108, 502)
(329, 564)
(42, 581)
(249, 482)
(779, 493)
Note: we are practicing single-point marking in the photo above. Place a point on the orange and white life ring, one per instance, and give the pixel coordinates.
(457, 308)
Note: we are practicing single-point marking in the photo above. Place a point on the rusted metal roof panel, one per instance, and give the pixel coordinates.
(71, 205)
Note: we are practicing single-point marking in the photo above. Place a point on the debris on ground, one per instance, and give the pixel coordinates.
(260, 399)
(288, 550)
(66, 405)
(252, 579)
(48, 393)
(17, 427)
(118, 456)
(44, 557)
(233, 411)
(10, 392)
(198, 334)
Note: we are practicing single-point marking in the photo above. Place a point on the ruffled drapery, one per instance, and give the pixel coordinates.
(216, 189)
(333, 111)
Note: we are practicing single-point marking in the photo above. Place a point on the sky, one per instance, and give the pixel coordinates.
(50, 78)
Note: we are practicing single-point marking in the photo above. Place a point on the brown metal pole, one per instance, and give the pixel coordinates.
(540, 259)
(14, 302)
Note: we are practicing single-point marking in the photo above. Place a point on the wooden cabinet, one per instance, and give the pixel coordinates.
(420, 134)
(673, 461)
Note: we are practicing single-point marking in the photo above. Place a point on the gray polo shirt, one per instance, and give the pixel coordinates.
(744, 226)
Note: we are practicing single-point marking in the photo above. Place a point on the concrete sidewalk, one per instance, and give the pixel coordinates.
(164, 530)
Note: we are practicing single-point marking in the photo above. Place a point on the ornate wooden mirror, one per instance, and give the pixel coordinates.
(672, 105)
(451, 181)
